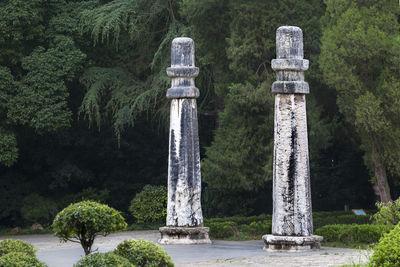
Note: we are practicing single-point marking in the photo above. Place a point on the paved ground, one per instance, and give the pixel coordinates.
(220, 253)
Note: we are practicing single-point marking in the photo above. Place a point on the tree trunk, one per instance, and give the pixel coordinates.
(381, 180)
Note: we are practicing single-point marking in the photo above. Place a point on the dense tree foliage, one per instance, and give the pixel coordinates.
(360, 59)
(84, 113)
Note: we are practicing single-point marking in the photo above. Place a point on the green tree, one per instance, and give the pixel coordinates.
(83, 221)
(359, 59)
(36, 65)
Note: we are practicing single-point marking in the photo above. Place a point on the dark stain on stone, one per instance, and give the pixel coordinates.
(174, 166)
(186, 145)
(292, 169)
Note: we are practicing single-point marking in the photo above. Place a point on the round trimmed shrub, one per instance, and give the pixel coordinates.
(150, 204)
(16, 245)
(387, 251)
(109, 259)
(20, 259)
(144, 253)
(85, 220)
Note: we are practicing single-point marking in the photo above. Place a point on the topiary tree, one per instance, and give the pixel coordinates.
(108, 259)
(388, 213)
(144, 253)
(150, 204)
(387, 252)
(15, 245)
(83, 221)
(20, 259)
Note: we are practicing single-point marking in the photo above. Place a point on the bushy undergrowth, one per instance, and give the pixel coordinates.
(387, 251)
(143, 253)
(353, 233)
(109, 259)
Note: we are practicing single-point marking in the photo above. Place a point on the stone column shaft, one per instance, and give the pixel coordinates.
(184, 214)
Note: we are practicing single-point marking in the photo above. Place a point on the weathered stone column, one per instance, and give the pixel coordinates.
(184, 214)
(292, 227)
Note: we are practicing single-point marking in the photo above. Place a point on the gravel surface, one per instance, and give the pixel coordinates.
(220, 253)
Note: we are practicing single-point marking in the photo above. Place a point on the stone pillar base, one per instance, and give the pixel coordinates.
(291, 243)
(171, 235)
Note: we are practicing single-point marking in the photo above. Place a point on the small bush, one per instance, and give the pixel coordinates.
(352, 233)
(222, 229)
(150, 204)
(388, 213)
(144, 253)
(109, 259)
(85, 220)
(15, 245)
(387, 251)
(20, 259)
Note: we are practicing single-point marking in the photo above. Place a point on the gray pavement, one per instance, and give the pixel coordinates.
(220, 253)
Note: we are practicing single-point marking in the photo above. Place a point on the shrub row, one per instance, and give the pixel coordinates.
(319, 221)
(230, 229)
(240, 219)
(353, 233)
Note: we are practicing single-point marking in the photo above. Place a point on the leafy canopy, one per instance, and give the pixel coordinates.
(82, 222)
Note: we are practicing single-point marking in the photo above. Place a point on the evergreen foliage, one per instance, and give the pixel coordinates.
(358, 59)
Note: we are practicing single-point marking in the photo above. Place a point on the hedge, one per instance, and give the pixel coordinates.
(353, 233)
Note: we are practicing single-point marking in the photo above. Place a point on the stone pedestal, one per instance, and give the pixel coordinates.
(184, 235)
(291, 243)
(292, 227)
(184, 214)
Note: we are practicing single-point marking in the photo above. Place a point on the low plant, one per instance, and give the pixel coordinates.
(143, 253)
(353, 233)
(150, 204)
(109, 259)
(82, 222)
(388, 213)
(20, 259)
(387, 251)
(16, 245)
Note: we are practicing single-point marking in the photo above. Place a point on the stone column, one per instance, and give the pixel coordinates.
(292, 227)
(184, 214)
